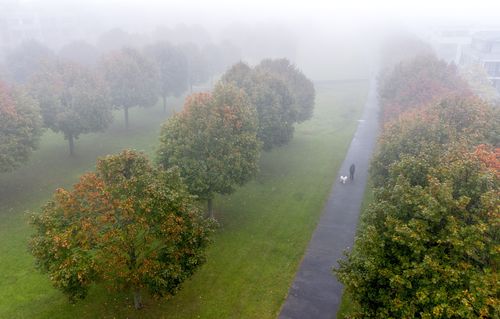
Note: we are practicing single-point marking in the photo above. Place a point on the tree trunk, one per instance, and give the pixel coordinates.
(164, 103)
(71, 143)
(137, 299)
(125, 109)
(210, 208)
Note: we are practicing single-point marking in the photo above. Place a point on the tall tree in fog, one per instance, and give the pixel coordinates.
(240, 74)
(172, 68)
(299, 85)
(198, 71)
(213, 141)
(402, 47)
(117, 39)
(73, 99)
(80, 52)
(272, 100)
(27, 59)
(417, 82)
(132, 80)
(128, 225)
(20, 127)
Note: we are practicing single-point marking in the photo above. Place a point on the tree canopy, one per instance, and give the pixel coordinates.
(73, 99)
(429, 251)
(417, 82)
(80, 52)
(424, 132)
(128, 225)
(27, 59)
(198, 66)
(131, 78)
(213, 141)
(20, 127)
(172, 69)
(272, 100)
(301, 88)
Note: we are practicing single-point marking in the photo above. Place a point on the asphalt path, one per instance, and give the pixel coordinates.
(315, 292)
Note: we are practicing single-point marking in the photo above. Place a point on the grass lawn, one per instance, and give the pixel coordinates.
(264, 226)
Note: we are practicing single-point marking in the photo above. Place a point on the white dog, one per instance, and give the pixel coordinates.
(343, 179)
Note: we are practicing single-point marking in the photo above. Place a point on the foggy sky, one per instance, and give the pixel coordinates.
(328, 35)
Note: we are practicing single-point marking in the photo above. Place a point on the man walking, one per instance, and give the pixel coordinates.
(351, 171)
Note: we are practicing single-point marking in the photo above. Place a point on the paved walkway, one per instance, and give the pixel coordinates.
(315, 292)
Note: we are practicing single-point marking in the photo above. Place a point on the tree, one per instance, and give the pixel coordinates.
(172, 68)
(401, 47)
(198, 72)
(239, 74)
(80, 52)
(429, 251)
(20, 127)
(272, 99)
(128, 225)
(116, 39)
(131, 78)
(299, 85)
(27, 59)
(213, 141)
(418, 82)
(424, 132)
(73, 100)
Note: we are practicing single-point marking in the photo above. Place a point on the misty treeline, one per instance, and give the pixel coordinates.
(136, 225)
(75, 91)
(428, 246)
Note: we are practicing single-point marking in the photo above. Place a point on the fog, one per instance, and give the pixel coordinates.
(326, 39)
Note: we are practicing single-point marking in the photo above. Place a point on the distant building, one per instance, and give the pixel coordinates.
(485, 51)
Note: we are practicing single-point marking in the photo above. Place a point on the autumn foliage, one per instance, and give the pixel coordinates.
(127, 225)
(20, 127)
(418, 82)
(213, 141)
(429, 245)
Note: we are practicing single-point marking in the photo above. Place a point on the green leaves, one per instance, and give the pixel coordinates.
(212, 141)
(281, 95)
(73, 100)
(128, 225)
(132, 79)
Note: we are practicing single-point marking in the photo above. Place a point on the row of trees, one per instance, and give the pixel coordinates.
(281, 95)
(135, 226)
(76, 99)
(215, 140)
(429, 243)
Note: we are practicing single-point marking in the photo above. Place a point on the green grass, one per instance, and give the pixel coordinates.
(264, 226)
(347, 306)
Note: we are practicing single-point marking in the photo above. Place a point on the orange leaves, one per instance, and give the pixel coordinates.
(419, 82)
(7, 105)
(130, 229)
(489, 156)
